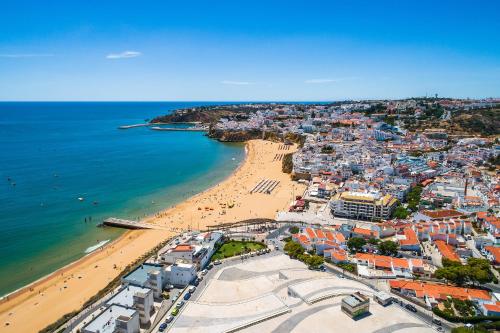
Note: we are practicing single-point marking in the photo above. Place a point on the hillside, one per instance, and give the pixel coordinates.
(485, 122)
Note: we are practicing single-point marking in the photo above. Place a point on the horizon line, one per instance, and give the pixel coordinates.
(241, 101)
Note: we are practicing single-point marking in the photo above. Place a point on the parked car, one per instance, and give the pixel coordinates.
(437, 322)
(162, 327)
(175, 312)
(192, 289)
(180, 305)
(169, 287)
(169, 319)
(204, 272)
(217, 262)
(210, 266)
(187, 296)
(411, 308)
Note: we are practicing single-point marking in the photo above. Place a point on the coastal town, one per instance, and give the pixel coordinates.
(383, 220)
(250, 166)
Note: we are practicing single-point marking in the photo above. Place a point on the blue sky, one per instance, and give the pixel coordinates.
(248, 50)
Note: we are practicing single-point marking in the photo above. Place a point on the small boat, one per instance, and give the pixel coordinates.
(233, 159)
(81, 199)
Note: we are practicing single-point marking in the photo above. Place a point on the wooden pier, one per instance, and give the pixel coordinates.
(127, 224)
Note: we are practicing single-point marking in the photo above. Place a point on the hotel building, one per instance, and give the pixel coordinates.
(363, 205)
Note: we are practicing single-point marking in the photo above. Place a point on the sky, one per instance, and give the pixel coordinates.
(248, 50)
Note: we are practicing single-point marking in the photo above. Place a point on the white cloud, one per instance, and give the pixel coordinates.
(26, 55)
(319, 81)
(236, 83)
(124, 55)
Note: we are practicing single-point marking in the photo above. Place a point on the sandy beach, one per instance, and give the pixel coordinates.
(40, 304)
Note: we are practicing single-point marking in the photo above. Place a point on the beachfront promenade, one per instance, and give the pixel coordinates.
(229, 201)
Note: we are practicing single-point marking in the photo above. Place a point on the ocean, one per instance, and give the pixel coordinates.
(53, 153)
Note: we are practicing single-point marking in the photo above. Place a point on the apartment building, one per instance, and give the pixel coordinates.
(363, 205)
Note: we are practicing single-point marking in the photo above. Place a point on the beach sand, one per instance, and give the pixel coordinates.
(40, 304)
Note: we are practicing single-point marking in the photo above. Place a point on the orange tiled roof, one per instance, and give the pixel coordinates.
(439, 291)
(320, 234)
(492, 307)
(447, 250)
(441, 214)
(481, 215)
(417, 262)
(400, 262)
(411, 237)
(495, 252)
(310, 233)
(365, 232)
(183, 248)
(340, 238)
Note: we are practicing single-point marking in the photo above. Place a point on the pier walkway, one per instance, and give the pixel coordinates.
(127, 224)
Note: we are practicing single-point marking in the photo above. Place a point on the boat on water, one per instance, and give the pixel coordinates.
(80, 199)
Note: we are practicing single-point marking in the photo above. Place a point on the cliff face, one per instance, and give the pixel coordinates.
(234, 136)
(244, 135)
(197, 115)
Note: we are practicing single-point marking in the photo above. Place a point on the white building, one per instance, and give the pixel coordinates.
(181, 274)
(198, 251)
(135, 297)
(114, 318)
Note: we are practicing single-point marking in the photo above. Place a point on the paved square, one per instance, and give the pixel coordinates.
(273, 293)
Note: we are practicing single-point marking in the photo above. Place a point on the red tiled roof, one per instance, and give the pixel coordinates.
(183, 248)
(439, 291)
(447, 250)
(310, 233)
(495, 252)
(320, 234)
(492, 307)
(411, 237)
(441, 214)
(481, 215)
(340, 238)
(365, 232)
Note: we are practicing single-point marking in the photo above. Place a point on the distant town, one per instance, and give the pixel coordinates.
(397, 228)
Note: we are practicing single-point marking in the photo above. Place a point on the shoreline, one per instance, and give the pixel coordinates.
(67, 288)
(62, 269)
(111, 243)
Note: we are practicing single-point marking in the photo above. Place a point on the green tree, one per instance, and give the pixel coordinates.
(413, 198)
(400, 213)
(475, 271)
(480, 270)
(293, 249)
(355, 244)
(294, 230)
(388, 248)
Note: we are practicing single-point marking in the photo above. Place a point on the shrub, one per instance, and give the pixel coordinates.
(471, 320)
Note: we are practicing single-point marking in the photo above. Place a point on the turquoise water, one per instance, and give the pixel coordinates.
(55, 153)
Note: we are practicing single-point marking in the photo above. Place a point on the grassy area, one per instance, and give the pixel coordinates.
(234, 248)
